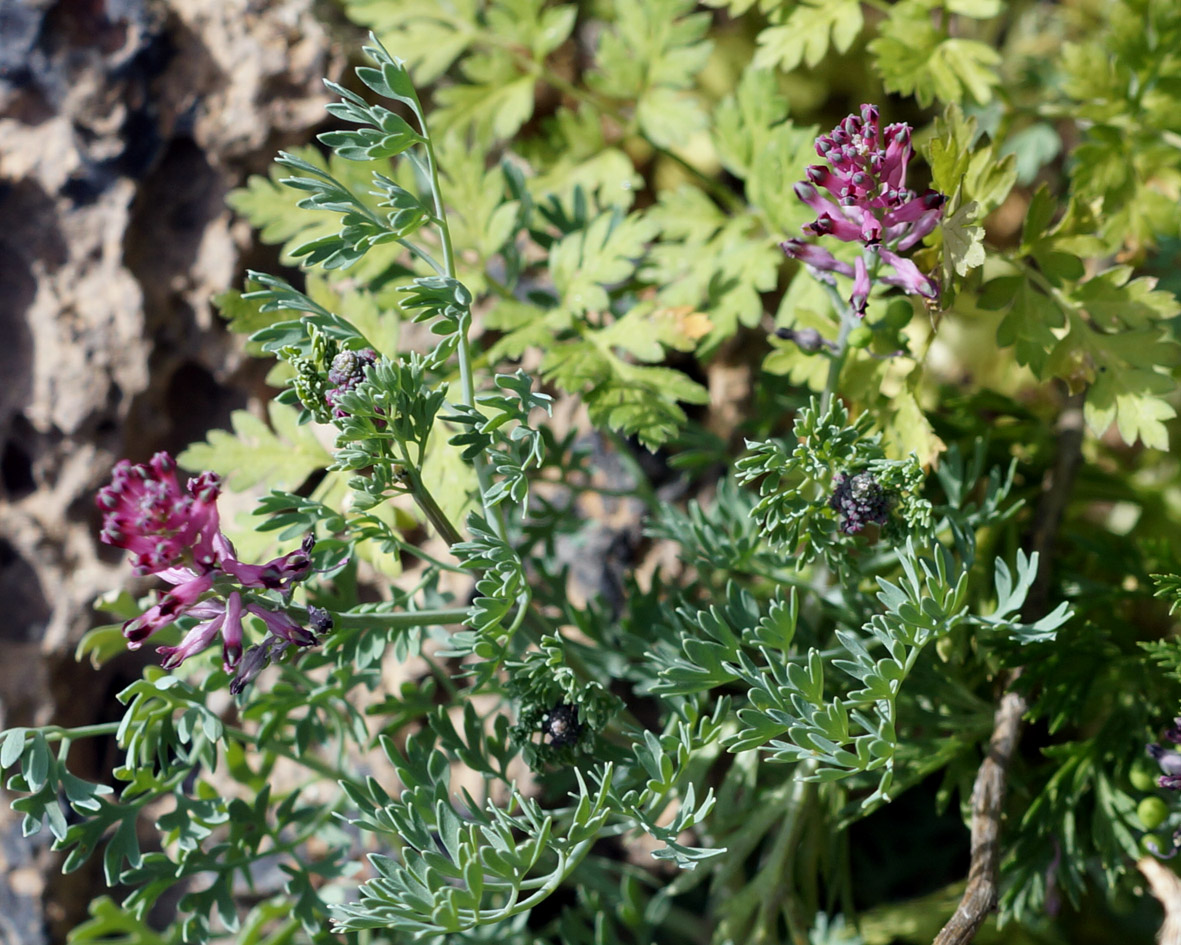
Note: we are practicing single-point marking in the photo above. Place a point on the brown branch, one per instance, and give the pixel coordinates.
(1166, 887)
(988, 793)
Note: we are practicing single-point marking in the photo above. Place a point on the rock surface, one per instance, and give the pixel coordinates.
(123, 124)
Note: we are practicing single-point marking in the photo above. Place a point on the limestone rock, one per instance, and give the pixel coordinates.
(123, 124)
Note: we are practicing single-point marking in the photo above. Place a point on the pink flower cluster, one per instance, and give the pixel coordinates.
(175, 534)
(868, 203)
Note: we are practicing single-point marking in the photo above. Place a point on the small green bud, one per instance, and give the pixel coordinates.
(1144, 775)
(1152, 812)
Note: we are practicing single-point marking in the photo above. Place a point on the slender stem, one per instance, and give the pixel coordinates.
(432, 510)
(423, 556)
(848, 320)
(398, 621)
(55, 732)
(463, 351)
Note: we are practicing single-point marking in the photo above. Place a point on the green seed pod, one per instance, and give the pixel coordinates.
(1152, 812)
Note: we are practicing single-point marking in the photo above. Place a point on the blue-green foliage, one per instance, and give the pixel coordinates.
(491, 746)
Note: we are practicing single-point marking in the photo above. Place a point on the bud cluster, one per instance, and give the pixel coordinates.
(346, 373)
(561, 726)
(860, 500)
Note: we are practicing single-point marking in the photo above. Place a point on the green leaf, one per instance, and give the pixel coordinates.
(637, 400)
(710, 261)
(963, 241)
(1132, 399)
(13, 747)
(280, 456)
(652, 44)
(744, 120)
(430, 37)
(110, 924)
(1114, 300)
(608, 251)
(913, 57)
(574, 152)
(1033, 148)
(492, 104)
(805, 34)
(667, 116)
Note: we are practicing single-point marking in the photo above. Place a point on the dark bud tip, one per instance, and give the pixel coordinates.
(319, 619)
(561, 726)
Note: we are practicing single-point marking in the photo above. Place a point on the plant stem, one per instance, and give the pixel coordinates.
(432, 510)
(398, 621)
(463, 350)
(848, 320)
(307, 759)
(55, 732)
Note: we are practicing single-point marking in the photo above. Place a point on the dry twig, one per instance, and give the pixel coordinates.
(1166, 887)
(988, 793)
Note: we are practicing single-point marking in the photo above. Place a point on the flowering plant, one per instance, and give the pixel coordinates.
(583, 639)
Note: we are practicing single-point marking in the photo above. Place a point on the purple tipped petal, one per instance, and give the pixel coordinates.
(177, 575)
(915, 208)
(170, 606)
(195, 641)
(278, 573)
(812, 197)
(827, 225)
(861, 286)
(815, 256)
(908, 276)
(1169, 761)
(231, 633)
(283, 626)
(897, 156)
(912, 233)
(871, 229)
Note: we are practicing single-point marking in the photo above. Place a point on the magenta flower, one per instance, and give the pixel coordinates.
(146, 512)
(175, 534)
(867, 202)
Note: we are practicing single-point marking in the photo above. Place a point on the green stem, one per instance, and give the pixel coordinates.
(432, 510)
(401, 620)
(848, 320)
(463, 351)
(55, 732)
